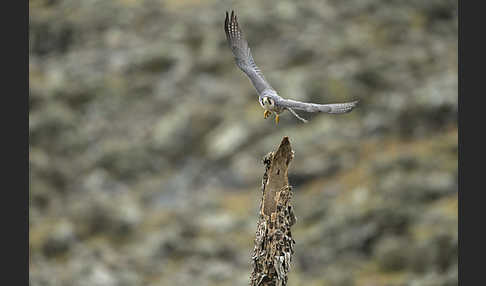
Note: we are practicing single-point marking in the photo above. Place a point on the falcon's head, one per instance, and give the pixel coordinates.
(267, 103)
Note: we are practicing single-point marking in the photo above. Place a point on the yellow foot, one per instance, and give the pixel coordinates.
(266, 114)
(276, 119)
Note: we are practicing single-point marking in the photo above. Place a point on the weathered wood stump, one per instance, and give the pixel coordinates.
(273, 248)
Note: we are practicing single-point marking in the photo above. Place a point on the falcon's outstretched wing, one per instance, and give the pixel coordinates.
(242, 54)
(335, 108)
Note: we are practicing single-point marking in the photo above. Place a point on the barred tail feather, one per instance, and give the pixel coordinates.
(296, 115)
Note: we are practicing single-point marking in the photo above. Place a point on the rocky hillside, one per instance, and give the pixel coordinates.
(146, 141)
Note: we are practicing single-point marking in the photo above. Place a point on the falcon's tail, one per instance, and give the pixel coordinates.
(296, 115)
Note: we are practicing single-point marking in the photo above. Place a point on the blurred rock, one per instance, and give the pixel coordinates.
(60, 240)
(392, 253)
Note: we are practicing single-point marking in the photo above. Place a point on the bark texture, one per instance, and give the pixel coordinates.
(273, 248)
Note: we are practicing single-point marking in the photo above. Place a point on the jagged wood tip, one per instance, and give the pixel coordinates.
(277, 175)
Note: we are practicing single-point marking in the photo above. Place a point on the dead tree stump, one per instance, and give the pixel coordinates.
(273, 248)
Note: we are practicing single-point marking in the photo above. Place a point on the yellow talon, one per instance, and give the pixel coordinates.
(276, 118)
(266, 114)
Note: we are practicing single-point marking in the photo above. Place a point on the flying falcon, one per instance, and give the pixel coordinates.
(267, 96)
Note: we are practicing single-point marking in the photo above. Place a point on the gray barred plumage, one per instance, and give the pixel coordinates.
(267, 96)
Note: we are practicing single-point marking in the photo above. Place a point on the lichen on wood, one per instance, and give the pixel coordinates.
(273, 248)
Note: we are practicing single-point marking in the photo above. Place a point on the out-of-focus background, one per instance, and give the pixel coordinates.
(146, 141)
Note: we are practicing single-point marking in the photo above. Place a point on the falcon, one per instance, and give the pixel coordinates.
(267, 96)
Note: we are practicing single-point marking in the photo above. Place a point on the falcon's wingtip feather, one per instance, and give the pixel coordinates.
(226, 22)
